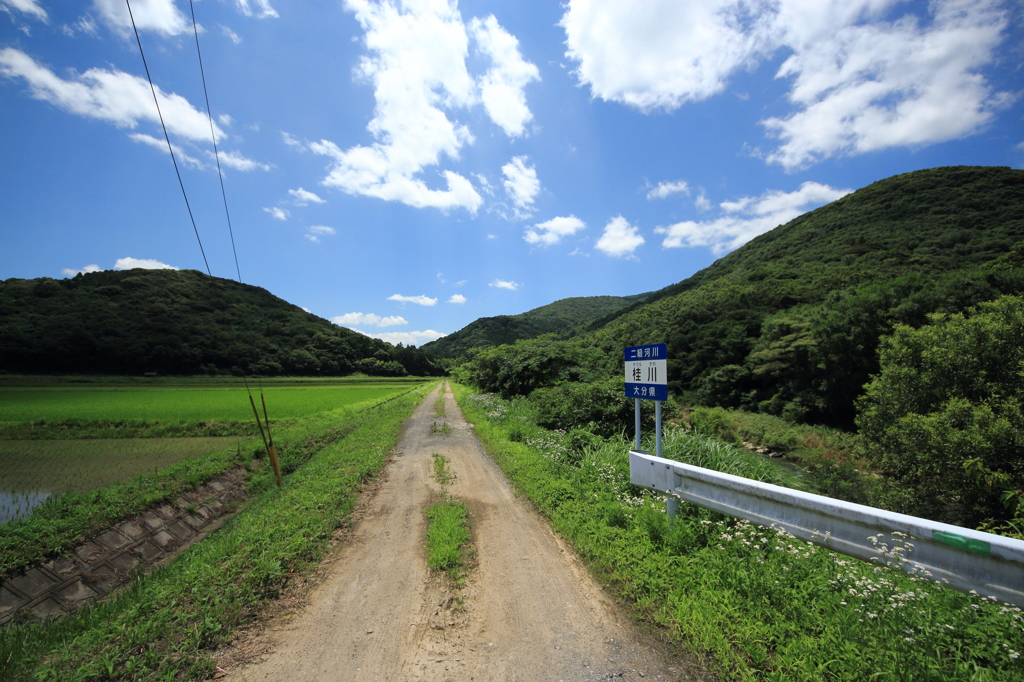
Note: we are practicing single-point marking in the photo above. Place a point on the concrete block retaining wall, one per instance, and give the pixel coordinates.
(108, 561)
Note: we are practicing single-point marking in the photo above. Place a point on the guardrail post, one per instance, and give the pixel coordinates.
(657, 428)
(637, 410)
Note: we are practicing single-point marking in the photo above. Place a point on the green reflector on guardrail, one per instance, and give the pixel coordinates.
(960, 542)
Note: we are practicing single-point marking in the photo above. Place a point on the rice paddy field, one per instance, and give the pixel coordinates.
(67, 435)
(185, 400)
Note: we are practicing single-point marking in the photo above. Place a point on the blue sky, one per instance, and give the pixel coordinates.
(403, 168)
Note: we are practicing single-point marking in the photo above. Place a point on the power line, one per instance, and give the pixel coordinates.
(213, 135)
(268, 439)
(168, 138)
(223, 193)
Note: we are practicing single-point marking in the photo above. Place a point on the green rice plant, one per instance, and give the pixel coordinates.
(179, 403)
(755, 602)
(447, 535)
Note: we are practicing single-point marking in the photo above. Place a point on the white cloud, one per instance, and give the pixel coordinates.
(85, 24)
(661, 53)
(352, 319)
(884, 85)
(225, 119)
(234, 37)
(262, 9)
(457, 298)
(70, 272)
(416, 63)
(521, 185)
(552, 231)
(702, 202)
(30, 7)
(505, 284)
(161, 145)
(292, 141)
(863, 75)
(667, 189)
(485, 184)
(418, 300)
(620, 239)
(161, 16)
(114, 96)
(239, 162)
(303, 197)
(405, 338)
(144, 263)
(417, 67)
(501, 88)
(278, 213)
(748, 217)
(314, 232)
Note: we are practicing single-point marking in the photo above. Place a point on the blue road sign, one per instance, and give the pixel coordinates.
(647, 372)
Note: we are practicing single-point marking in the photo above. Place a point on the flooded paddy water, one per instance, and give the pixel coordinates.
(34, 470)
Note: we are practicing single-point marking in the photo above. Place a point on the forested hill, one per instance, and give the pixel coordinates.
(562, 317)
(790, 322)
(179, 322)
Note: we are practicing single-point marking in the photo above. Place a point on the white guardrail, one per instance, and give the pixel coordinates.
(967, 559)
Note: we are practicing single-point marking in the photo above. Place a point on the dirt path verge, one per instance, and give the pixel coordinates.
(528, 610)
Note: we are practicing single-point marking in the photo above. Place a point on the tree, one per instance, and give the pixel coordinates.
(950, 393)
(518, 369)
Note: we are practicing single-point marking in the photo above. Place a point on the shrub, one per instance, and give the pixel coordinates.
(529, 364)
(600, 407)
(713, 421)
(950, 392)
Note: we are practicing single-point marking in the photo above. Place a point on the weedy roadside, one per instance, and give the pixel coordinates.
(757, 602)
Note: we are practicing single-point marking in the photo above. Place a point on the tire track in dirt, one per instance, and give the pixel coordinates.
(529, 610)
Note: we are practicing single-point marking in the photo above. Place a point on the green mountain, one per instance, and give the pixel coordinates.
(179, 322)
(790, 323)
(563, 317)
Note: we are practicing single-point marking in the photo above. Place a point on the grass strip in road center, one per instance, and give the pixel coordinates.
(447, 535)
(165, 625)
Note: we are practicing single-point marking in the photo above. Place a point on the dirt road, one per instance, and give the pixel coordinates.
(528, 610)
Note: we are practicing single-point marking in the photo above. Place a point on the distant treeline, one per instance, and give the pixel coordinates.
(566, 318)
(180, 322)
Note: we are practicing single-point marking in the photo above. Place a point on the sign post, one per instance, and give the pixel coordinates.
(647, 379)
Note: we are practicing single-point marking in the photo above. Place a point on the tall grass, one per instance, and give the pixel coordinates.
(756, 602)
